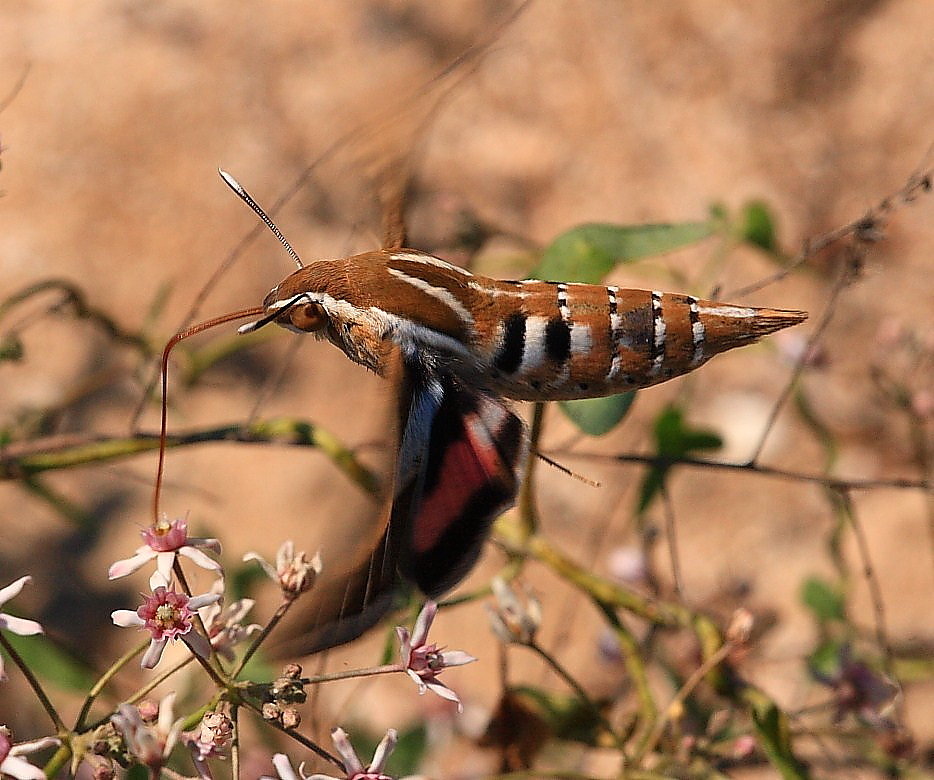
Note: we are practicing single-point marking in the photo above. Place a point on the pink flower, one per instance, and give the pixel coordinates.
(165, 540)
(512, 621)
(12, 623)
(212, 740)
(11, 765)
(860, 690)
(167, 615)
(149, 744)
(423, 662)
(225, 624)
(353, 766)
(293, 572)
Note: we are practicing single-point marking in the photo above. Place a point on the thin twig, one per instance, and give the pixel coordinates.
(104, 679)
(843, 281)
(677, 701)
(34, 684)
(872, 581)
(72, 294)
(837, 483)
(671, 534)
(21, 459)
(575, 686)
(868, 227)
(300, 738)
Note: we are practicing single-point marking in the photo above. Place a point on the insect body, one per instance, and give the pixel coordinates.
(462, 344)
(528, 340)
(456, 345)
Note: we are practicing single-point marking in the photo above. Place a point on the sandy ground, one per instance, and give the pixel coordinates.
(580, 111)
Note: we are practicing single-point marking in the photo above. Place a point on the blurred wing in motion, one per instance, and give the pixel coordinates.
(459, 465)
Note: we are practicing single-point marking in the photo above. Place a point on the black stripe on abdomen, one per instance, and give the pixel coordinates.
(558, 340)
(509, 355)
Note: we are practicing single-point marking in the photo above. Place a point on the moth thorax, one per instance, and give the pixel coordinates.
(306, 317)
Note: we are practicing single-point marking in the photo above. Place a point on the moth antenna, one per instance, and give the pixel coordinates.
(258, 210)
(565, 470)
(163, 426)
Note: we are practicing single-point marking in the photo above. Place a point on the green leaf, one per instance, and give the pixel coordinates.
(566, 716)
(589, 252)
(774, 736)
(49, 662)
(673, 440)
(757, 226)
(824, 600)
(825, 662)
(137, 772)
(597, 416)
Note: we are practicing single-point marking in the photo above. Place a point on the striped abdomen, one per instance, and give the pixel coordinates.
(527, 340)
(583, 341)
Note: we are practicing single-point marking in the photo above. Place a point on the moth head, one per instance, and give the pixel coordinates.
(297, 312)
(292, 308)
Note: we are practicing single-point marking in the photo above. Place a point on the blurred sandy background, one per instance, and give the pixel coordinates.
(581, 111)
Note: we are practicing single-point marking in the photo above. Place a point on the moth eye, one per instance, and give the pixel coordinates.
(308, 317)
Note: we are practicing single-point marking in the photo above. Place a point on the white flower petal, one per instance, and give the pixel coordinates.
(166, 712)
(210, 543)
(158, 580)
(210, 614)
(267, 567)
(196, 602)
(154, 653)
(283, 768)
(405, 645)
(445, 693)
(20, 769)
(199, 558)
(342, 743)
(34, 745)
(239, 610)
(126, 618)
(128, 565)
(422, 688)
(12, 590)
(385, 747)
(198, 644)
(164, 563)
(423, 623)
(18, 625)
(456, 658)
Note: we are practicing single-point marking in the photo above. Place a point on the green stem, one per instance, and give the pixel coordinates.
(352, 673)
(654, 735)
(261, 637)
(34, 684)
(528, 511)
(235, 743)
(61, 757)
(104, 679)
(300, 738)
(22, 459)
(73, 295)
(578, 691)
